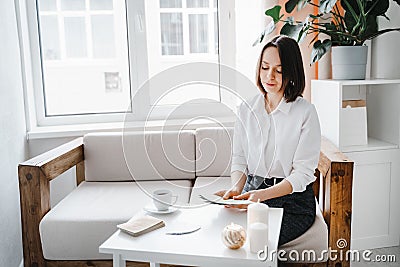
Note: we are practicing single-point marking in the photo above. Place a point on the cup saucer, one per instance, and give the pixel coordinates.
(152, 209)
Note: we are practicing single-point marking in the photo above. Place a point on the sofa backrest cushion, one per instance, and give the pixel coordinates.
(213, 151)
(117, 156)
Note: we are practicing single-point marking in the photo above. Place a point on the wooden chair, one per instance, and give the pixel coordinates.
(334, 168)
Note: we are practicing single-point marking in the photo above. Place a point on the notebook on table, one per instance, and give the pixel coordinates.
(141, 225)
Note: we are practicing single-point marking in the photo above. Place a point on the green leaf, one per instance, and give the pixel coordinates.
(350, 21)
(291, 4)
(258, 40)
(326, 6)
(274, 13)
(292, 30)
(351, 4)
(319, 49)
(307, 24)
(303, 33)
(301, 4)
(371, 27)
(355, 12)
(270, 28)
(377, 7)
(382, 32)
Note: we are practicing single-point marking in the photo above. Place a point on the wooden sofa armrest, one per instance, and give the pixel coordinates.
(336, 172)
(34, 184)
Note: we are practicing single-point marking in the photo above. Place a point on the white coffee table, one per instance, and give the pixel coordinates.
(201, 248)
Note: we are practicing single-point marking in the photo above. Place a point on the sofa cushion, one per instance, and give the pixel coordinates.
(76, 227)
(207, 186)
(127, 156)
(213, 151)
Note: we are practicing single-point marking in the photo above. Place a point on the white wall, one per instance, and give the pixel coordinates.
(12, 136)
(385, 57)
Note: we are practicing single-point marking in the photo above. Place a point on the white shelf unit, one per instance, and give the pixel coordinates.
(376, 185)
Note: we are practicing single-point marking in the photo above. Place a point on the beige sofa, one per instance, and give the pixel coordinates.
(116, 173)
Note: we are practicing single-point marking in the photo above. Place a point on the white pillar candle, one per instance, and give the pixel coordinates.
(257, 212)
(258, 236)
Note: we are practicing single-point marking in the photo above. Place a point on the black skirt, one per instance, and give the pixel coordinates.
(298, 209)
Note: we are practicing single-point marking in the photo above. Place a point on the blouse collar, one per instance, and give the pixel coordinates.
(283, 106)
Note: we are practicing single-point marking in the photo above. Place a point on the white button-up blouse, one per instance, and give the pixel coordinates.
(285, 143)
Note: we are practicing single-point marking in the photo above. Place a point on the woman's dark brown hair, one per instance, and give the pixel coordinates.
(293, 80)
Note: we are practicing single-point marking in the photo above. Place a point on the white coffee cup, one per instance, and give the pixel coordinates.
(163, 199)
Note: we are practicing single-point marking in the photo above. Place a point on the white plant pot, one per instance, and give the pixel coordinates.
(349, 62)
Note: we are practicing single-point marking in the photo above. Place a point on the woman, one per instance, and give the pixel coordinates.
(277, 140)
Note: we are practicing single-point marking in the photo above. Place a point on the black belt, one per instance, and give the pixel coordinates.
(272, 181)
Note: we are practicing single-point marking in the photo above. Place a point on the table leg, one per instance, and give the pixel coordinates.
(154, 264)
(118, 261)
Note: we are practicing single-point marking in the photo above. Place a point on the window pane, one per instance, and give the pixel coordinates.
(47, 5)
(197, 3)
(75, 37)
(215, 3)
(73, 4)
(198, 33)
(50, 39)
(103, 36)
(170, 3)
(86, 85)
(171, 33)
(187, 36)
(101, 4)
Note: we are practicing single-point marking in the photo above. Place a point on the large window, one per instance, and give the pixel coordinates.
(91, 57)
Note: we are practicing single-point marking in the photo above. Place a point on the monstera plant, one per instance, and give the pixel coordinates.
(346, 22)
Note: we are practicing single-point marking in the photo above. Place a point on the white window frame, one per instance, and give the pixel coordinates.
(32, 72)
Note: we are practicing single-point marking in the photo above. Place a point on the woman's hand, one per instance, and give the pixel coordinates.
(254, 195)
(226, 194)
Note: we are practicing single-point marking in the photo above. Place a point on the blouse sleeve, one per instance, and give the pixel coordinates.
(239, 162)
(306, 157)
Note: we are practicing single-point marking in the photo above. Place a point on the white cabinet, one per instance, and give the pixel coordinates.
(376, 185)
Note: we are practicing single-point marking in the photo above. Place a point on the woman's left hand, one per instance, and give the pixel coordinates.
(254, 195)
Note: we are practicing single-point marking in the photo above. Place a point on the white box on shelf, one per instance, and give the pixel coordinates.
(353, 123)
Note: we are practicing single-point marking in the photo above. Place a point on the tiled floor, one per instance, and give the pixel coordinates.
(382, 253)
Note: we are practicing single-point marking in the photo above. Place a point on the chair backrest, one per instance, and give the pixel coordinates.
(139, 156)
(213, 151)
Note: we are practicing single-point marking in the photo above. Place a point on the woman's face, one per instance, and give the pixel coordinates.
(271, 71)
